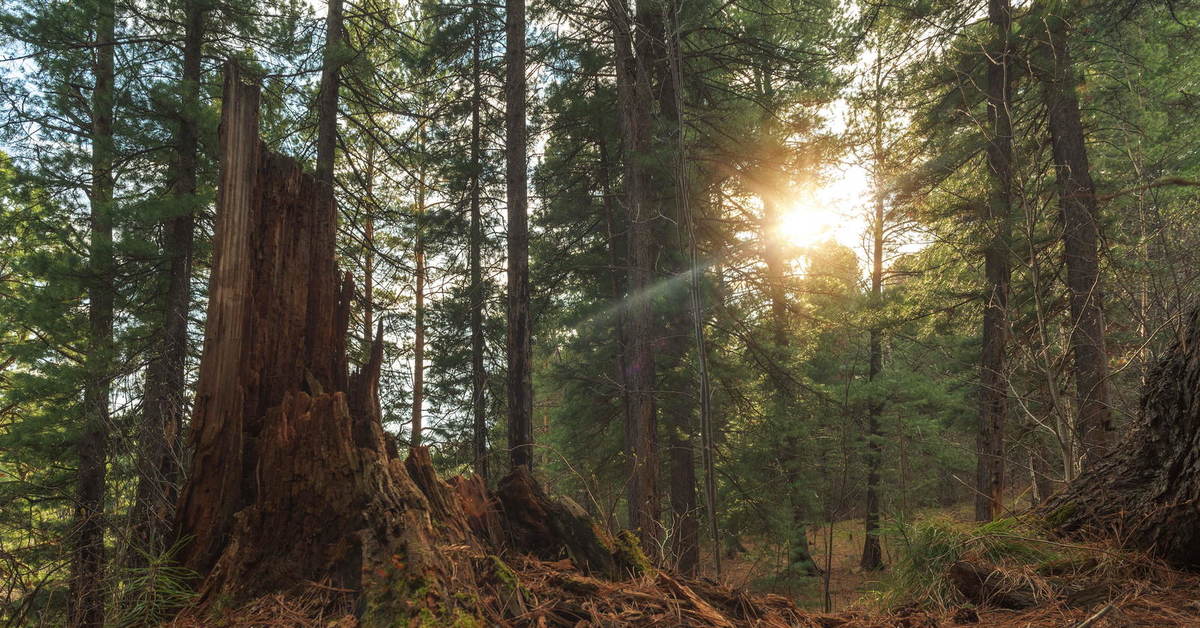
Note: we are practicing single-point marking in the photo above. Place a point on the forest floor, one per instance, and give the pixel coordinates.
(1157, 597)
(849, 586)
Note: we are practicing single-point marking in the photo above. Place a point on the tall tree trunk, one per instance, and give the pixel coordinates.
(520, 349)
(159, 464)
(872, 555)
(478, 410)
(88, 560)
(635, 97)
(327, 99)
(657, 20)
(617, 262)
(1081, 235)
(368, 301)
(418, 402)
(993, 385)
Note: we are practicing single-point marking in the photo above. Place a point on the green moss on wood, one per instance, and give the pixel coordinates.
(629, 553)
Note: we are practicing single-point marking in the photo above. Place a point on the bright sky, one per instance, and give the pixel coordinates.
(834, 211)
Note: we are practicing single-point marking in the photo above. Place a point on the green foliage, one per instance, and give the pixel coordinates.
(152, 594)
(928, 547)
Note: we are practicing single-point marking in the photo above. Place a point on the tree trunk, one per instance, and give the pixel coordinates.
(418, 403)
(327, 99)
(635, 97)
(520, 351)
(368, 300)
(1081, 234)
(618, 261)
(478, 377)
(872, 555)
(88, 560)
(993, 384)
(680, 322)
(1144, 492)
(161, 431)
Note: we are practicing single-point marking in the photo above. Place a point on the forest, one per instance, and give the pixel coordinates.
(823, 313)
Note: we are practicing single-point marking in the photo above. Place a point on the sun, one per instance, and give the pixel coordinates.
(807, 224)
(833, 211)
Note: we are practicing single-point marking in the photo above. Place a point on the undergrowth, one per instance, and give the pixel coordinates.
(1019, 554)
(151, 594)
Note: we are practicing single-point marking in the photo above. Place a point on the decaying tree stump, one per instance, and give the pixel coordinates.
(1147, 491)
(293, 485)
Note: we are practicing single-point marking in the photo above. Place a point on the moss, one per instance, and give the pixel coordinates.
(503, 572)
(629, 552)
(392, 591)
(1059, 516)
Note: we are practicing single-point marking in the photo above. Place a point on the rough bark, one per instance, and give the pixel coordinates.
(161, 432)
(1145, 492)
(87, 535)
(520, 349)
(478, 376)
(1081, 235)
(272, 233)
(635, 97)
(291, 479)
(993, 385)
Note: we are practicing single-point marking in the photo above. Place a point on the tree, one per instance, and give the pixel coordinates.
(161, 432)
(520, 352)
(633, 88)
(478, 375)
(993, 385)
(1081, 234)
(88, 564)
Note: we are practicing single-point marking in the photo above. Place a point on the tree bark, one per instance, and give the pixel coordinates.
(520, 350)
(1081, 234)
(272, 428)
(478, 376)
(671, 195)
(88, 555)
(635, 96)
(993, 384)
(1144, 492)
